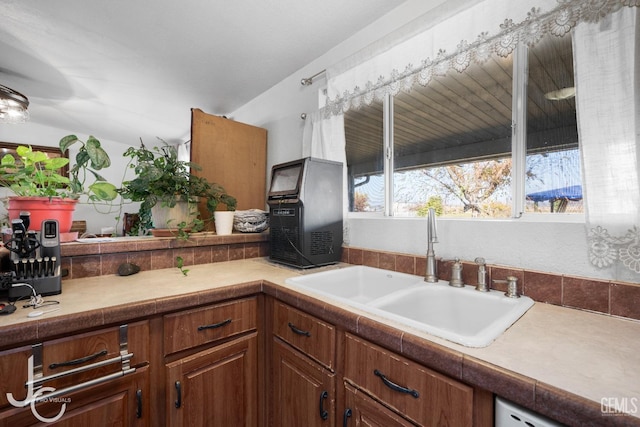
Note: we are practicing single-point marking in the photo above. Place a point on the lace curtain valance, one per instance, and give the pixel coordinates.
(434, 51)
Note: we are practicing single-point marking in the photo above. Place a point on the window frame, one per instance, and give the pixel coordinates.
(518, 153)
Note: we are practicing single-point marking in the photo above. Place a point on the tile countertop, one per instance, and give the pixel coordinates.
(551, 357)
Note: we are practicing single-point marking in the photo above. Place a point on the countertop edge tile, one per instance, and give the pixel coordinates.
(229, 292)
(575, 410)
(60, 325)
(127, 313)
(512, 386)
(19, 333)
(433, 355)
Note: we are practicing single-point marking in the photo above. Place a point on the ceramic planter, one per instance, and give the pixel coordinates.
(224, 222)
(43, 208)
(169, 217)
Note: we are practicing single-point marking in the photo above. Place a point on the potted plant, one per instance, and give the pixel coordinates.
(164, 181)
(40, 189)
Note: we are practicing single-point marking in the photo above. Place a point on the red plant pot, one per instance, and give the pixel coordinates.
(43, 208)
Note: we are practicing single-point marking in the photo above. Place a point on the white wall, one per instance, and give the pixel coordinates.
(558, 247)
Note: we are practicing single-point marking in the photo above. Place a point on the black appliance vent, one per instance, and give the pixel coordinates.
(321, 242)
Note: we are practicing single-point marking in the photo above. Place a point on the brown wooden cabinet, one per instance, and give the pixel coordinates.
(99, 375)
(303, 390)
(420, 394)
(381, 388)
(362, 410)
(211, 365)
(216, 387)
(122, 402)
(303, 359)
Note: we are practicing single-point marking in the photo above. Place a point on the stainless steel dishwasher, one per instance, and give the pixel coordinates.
(508, 414)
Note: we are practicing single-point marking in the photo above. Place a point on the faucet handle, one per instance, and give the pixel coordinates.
(482, 285)
(512, 287)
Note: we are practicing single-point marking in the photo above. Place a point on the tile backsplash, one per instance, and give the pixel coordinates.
(607, 297)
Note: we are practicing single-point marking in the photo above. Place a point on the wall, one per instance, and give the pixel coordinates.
(97, 216)
(557, 247)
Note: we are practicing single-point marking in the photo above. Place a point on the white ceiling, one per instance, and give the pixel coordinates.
(126, 69)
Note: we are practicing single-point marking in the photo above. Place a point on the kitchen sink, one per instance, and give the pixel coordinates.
(357, 284)
(461, 315)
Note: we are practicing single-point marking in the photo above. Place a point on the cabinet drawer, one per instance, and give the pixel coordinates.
(73, 352)
(307, 333)
(192, 328)
(423, 395)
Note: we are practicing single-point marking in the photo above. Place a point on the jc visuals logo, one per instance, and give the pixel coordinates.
(38, 396)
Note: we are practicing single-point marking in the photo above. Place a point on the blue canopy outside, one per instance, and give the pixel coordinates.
(573, 192)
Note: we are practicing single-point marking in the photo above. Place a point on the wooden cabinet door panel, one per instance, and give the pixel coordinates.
(92, 346)
(216, 387)
(428, 397)
(191, 328)
(303, 391)
(363, 411)
(122, 402)
(307, 333)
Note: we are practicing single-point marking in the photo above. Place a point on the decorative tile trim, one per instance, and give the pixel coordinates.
(605, 297)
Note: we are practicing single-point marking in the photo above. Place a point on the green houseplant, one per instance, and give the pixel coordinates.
(36, 180)
(164, 180)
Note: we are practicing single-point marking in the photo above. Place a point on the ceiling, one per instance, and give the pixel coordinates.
(464, 116)
(124, 70)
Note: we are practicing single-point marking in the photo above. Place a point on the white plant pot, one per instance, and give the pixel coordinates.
(224, 222)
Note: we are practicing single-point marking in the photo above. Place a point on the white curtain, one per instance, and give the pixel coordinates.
(323, 138)
(607, 78)
(450, 37)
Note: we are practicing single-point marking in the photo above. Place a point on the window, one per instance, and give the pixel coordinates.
(452, 144)
(363, 132)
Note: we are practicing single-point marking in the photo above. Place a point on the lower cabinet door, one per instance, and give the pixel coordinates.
(217, 387)
(120, 402)
(303, 391)
(361, 410)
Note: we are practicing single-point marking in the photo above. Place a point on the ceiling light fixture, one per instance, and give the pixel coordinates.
(13, 106)
(561, 94)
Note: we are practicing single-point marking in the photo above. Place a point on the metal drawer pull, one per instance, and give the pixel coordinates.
(394, 386)
(215, 325)
(118, 359)
(139, 404)
(78, 361)
(299, 331)
(179, 390)
(78, 387)
(323, 413)
(345, 418)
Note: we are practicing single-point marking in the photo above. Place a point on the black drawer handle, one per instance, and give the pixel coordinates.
(394, 386)
(179, 391)
(215, 325)
(299, 331)
(78, 361)
(139, 404)
(345, 418)
(323, 413)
